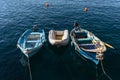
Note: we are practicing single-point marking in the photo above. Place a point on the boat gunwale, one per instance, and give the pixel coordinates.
(74, 41)
(29, 31)
(84, 52)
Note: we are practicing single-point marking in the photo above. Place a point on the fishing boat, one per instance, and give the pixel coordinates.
(87, 44)
(31, 41)
(58, 37)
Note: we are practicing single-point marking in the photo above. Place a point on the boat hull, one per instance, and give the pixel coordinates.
(58, 42)
(88, 45)
(31, 42)
(31, 52)
(89, 55)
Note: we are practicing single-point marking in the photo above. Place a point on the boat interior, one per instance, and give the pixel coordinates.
(32, 40)
(33, 37)
(59, 35)
(82, 38)
(84, 41)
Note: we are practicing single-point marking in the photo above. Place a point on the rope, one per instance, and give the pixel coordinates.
(105, 72)
(23, 61)
(96, 73)
(29, 69)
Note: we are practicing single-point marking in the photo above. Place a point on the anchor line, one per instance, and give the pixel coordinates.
(104, 71)
(100, 58)
(96, 73)
(30, 73)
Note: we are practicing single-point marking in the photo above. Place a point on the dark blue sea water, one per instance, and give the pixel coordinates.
(103, 19)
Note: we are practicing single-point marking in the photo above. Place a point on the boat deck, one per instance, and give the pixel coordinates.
(33, 37)
(32, 40)
(88, 46)
(58, 37)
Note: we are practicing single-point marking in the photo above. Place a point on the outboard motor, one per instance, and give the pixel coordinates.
(76, 26)
(35, 28)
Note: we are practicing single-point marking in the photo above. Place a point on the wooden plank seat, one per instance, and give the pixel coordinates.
(33, 37)
(30, 41)
(88, 46)
(58, 37)
(84, 40)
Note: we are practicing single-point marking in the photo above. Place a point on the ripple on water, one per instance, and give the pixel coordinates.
(18, 15)
(1, 41)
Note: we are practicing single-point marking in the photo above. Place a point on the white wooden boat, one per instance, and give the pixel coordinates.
(58, 38)
(31, 41)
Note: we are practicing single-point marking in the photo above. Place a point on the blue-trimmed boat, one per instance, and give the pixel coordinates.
(31, 41)
(87, 44)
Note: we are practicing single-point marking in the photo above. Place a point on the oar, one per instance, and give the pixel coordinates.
(108, 45)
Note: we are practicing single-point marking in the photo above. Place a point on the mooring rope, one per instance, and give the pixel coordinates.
(96, 73)
(29, 69)
(104, 71)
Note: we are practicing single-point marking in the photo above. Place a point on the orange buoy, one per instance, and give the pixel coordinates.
(86, 9)
(47, 4)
